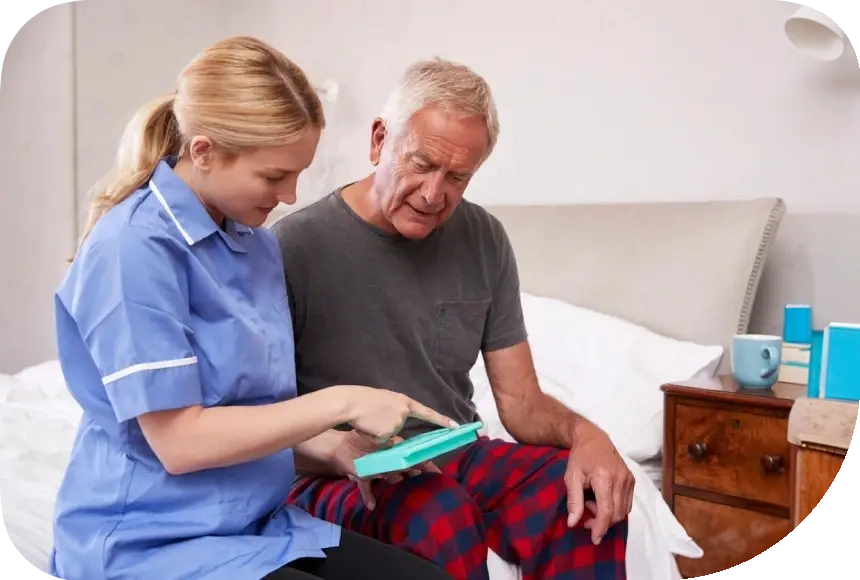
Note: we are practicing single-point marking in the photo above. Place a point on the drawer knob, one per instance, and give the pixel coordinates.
(772, 463)
(697, 450)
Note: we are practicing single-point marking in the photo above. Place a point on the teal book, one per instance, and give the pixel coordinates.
(417, 450)
(815, 364)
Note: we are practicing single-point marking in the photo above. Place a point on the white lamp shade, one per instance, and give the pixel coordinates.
(815, 34)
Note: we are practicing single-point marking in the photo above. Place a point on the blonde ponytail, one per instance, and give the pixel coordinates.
(152, 134)
(240, 92)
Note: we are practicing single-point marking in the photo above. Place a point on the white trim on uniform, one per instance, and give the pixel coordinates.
(150, 366)
(163, 201)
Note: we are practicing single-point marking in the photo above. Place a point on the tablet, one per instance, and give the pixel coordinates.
(418, 449)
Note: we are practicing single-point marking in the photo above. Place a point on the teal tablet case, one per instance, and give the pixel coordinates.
(419, 449)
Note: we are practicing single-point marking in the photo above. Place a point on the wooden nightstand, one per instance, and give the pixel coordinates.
(727, 468)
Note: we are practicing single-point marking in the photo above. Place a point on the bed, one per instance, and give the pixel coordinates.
(618, 299)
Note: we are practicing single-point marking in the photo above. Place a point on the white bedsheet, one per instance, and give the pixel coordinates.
(653, 468)
(38, 420)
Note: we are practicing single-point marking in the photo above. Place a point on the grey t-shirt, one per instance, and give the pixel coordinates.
(412, 316)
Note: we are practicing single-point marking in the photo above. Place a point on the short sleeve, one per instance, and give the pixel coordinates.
(129, 299)
(505, 323)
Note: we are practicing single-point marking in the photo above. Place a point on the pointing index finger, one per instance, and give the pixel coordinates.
(418, 410)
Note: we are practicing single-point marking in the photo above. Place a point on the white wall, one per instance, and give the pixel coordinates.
(128, 53)
(599, 101)
(607, 101)
(71, 79)
(36, 183)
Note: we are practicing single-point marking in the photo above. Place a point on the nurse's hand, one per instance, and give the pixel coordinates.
(380, 414)
(354, 445)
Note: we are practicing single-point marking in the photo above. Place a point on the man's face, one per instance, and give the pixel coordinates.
(421, 176)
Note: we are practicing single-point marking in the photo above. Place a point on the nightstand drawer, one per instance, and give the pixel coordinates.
(728, 535)
(735, 453)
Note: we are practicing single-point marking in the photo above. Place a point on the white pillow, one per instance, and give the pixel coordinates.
(607, 369)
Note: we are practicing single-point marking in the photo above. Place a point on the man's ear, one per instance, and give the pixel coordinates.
(377, 140)
(202, 152)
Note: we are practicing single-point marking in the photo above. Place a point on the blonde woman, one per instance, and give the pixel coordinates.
(174, 336)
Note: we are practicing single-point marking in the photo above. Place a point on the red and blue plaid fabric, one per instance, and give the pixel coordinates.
(502, 496)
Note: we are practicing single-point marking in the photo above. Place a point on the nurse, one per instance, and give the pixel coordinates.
(174, 337)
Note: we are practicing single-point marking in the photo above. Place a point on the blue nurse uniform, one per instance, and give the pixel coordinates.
(162, 309)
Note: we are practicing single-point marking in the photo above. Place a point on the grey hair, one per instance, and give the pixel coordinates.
(442, 83)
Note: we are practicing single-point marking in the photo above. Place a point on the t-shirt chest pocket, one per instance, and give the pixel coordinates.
(459, 333)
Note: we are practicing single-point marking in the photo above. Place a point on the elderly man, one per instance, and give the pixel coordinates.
(398, 282)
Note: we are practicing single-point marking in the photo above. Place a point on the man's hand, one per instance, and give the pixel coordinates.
(354, 445)
(594, 463)
(535, 418)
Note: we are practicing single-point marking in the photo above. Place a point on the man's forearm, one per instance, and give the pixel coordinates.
(541, 420)
(531, 416)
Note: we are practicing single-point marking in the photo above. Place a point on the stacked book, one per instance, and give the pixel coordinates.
(827, 361)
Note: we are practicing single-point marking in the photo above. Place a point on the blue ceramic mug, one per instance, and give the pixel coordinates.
(756, 359)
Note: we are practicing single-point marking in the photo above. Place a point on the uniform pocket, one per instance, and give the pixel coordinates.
(459, 333)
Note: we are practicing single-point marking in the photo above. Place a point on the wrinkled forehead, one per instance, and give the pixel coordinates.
(447, 137)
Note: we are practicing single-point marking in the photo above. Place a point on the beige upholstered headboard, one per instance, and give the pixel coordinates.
(686, 270)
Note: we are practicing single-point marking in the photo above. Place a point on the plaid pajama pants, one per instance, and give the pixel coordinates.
(502, 496)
